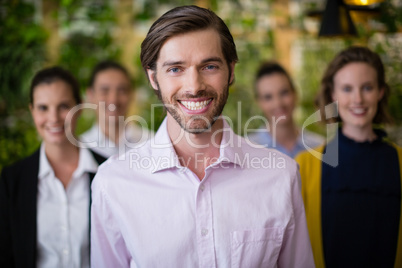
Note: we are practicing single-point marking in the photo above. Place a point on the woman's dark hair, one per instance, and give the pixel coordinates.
(53, 74)
(106, 65)
(181, 20)
(269, 68)
(351, 55)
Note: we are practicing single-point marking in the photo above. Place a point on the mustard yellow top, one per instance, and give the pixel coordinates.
(310, 171)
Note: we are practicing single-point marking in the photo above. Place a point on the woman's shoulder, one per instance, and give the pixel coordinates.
(397, 148)
(28, 163)
(311, 139)
(313, 154)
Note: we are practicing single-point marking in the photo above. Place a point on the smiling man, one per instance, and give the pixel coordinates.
(110, 89)
(196, 194)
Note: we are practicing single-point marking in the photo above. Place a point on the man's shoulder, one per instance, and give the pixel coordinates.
(271, 156)
(121, 164)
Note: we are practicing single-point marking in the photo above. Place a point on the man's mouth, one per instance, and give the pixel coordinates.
(195, 105)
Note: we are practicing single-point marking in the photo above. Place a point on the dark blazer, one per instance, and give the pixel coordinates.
(18, 201)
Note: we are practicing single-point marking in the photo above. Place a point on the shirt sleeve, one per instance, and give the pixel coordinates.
(108, 248)
(296, 249)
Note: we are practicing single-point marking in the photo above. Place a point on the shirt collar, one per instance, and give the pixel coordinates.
(86, 163)
(100, 136)
(230, 148)
(132, 133)
(163, 151)
(44, 165)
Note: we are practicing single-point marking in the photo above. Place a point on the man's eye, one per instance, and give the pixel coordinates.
(123, 90)
(104, 90)
(173, 70)
(210, 67)
(347, 89)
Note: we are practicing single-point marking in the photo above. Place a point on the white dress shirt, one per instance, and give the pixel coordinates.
(63, 214)
(96, 140)
(150, 211)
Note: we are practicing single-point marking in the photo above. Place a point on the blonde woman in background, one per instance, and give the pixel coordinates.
(353, 208)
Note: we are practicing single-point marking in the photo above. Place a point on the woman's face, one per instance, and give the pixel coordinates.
(276, 98)
(357, 92)
(51, 104)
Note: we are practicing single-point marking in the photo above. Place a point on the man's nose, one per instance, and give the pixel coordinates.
(112, 97)
(194, 81)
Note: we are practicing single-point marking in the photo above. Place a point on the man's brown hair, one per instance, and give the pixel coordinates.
(182, 20)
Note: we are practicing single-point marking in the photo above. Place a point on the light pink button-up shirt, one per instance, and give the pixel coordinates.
(149, 211)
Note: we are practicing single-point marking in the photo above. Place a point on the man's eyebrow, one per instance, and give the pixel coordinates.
(171, 63)
(217, 59)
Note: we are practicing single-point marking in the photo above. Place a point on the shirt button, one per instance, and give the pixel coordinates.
(202, 187)
(204, 232)
(65, 252)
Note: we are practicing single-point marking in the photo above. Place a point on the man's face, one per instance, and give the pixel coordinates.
(112, 87)
(192, 76)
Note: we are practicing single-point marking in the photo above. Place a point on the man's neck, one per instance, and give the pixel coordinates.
(112, 131)
(196, 151)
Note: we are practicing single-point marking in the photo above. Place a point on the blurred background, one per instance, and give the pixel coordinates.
(76, 34)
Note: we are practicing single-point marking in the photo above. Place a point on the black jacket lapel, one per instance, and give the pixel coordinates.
(25, 210)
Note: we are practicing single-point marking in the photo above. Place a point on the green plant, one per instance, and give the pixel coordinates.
(22, 53)
(87, 27)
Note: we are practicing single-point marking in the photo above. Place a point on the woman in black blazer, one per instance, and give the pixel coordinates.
(45, 198)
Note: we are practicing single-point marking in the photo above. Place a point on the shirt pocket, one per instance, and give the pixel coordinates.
(256, 248)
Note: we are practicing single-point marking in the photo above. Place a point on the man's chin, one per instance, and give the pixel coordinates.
(196, 130)
(199, 127)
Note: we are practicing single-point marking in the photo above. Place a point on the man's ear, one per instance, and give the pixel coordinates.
(152, 78)
(232, 74)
